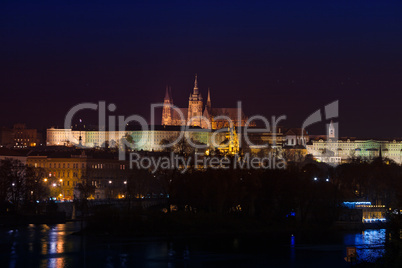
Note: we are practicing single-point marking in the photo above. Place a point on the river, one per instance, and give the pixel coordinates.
(55, 246)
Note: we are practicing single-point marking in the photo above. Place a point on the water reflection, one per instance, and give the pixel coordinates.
(369, 243)
(292, 248)
(38, 246)
(55, 246)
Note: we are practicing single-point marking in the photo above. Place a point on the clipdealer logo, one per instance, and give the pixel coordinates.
(117, 128)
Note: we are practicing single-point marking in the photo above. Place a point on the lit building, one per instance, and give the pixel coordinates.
(62, 173)
(366, 212)
(263, 142)
(198, 115)
(19, 137)
(147, 140)
(295, 136)
(63, 137)
(24, 137)
(230, 145)
(65, 171)
(334, 150)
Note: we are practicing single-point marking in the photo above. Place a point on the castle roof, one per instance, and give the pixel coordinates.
(230, 112)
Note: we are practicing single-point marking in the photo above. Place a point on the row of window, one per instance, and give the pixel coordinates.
(59, 165)
(63, 174)
(67, 183)
(110, 166)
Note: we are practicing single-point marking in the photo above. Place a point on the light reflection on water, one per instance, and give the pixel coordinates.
(54, 246)
(369, 243)
(37, 245)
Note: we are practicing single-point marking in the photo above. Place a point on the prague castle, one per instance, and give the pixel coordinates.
(337, 150)
(204, 121)
(199, 115)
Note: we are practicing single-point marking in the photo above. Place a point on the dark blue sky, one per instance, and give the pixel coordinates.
(291, 58)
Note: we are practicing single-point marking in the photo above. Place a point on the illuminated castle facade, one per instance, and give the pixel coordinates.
(199, 115)
(337, 150)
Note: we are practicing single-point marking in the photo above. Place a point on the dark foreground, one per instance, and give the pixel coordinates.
(59, 245)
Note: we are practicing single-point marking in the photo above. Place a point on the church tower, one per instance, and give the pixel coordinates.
(167, 110)
(195, 106)
(208, 105)
(331, 130)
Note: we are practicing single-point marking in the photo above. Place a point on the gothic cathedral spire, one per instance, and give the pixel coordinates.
(167, 109)
(167, 97)
(195, 91)
(195, 106)
(208, 105)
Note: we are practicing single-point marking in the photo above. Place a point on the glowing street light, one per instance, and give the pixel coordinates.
(315, 178)
(110, 182)
(125, 182)
(54, 184)
(45, 180)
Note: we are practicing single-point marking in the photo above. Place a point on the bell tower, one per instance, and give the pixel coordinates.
(195, 106)
(331, 130)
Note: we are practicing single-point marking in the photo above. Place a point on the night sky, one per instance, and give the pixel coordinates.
(291, 58)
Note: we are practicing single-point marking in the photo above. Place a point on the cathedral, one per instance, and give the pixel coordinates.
(198, 115)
